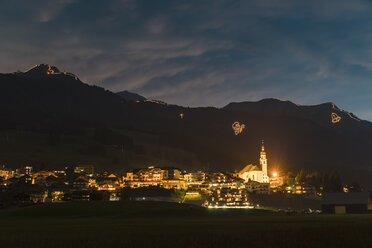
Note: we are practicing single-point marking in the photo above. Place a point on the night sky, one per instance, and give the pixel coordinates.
(201, 52)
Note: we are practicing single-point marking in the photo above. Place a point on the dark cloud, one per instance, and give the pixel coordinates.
(193, 52)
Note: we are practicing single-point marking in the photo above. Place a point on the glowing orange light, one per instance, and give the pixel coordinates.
(335, 118)
(181, 115)
(238, 128)
(275, 174)
(343, 111)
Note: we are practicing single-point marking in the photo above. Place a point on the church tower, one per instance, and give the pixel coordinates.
(263, 163)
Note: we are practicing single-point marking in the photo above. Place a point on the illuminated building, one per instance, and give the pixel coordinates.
(43, 174)
(92, 183)
(84, 169)
(26, 179)
(130, 176)
(171, 173)
(6, 174)
(276, 180)
(57, 196)
(253, 172)
(59, 172)
(305, 189)
(217, 178)
(107, 183)
(195, 177)
(81, 183)
(228, 198)
(39, 180)
(259, 188)
(114, 197)
(107, 187)
(150, 174)
(28, 170)
(263, 163)
(221, 180)
(167, 177)
(38, 197)
(173, 184)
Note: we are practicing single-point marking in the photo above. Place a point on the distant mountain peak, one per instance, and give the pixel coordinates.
(130, 96)
(351, 115)
(273, 99)
(280, 102)
(42, 70)
(320, 113)
(277, 100)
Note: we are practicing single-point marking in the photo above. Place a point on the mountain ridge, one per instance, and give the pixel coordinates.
(130, 96)
(57, 106)
(43, 70)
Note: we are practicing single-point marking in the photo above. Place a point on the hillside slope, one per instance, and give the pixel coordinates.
(79, 123)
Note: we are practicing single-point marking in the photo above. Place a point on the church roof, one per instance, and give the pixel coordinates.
(249, 168)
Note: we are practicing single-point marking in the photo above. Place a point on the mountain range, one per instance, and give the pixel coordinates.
(49, 119)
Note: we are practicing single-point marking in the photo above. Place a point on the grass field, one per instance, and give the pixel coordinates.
(155, 224)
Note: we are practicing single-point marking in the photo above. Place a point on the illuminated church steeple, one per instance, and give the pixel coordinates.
(263, 163)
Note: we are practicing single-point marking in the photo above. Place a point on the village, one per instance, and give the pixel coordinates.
(210, 189)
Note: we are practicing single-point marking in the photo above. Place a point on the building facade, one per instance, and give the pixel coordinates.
(254, 173)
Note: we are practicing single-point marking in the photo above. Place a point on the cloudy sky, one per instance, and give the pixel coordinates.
(201, 53)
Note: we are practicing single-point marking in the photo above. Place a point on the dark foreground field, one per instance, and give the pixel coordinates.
(151, 224)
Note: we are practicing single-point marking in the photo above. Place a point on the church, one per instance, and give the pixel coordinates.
(254, 173)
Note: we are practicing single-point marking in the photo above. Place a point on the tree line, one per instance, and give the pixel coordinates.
(328, 182)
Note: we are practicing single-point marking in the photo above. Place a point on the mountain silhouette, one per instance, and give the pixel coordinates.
(84, 123)
(130, 96)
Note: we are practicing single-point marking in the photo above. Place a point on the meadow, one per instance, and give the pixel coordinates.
(157, 224)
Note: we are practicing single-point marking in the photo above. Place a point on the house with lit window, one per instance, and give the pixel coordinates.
(228, 198)
(167, 177)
